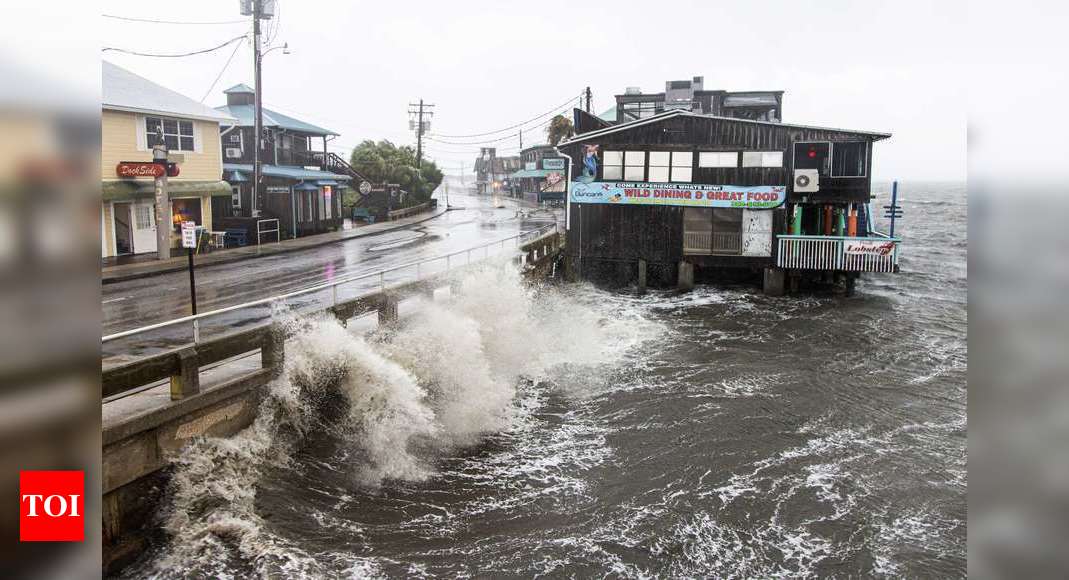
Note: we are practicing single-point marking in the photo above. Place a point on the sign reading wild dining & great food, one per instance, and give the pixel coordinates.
(682, 194)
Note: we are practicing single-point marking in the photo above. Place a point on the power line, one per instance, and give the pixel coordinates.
(153, 21)
(551, 111)
(184, 54)
(498, 140)
(220, 75)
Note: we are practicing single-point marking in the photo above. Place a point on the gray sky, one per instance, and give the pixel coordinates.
(355, 66)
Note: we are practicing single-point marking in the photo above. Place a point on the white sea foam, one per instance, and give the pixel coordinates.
(444, 378)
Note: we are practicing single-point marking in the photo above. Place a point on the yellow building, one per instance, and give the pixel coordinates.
(135, 111)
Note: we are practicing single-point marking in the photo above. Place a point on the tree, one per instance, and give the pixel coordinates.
(559, 128)
(384, 162)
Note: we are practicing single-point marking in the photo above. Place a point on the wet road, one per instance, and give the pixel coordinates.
(475, 220)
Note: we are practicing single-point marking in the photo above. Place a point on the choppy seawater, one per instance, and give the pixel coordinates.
(581, 432)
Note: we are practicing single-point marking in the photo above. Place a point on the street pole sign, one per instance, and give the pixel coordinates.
(189, 235)
(189, 242)
(365, 188)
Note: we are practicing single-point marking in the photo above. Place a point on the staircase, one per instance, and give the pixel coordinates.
(333, 163)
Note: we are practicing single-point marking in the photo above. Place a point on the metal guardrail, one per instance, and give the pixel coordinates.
(418, 266)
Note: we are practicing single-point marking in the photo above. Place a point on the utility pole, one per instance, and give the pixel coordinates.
(521, 139)
(258, 124)
(421, 111)
(163, 200)
(588, 96)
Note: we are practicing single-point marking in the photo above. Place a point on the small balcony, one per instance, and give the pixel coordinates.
(874, 253)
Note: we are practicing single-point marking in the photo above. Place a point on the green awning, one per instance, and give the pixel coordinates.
(533, 173)
(131, 189)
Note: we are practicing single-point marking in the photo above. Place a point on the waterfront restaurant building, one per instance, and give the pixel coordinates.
(134, 111)
(680, 193)
(542, 178)
(302, 182)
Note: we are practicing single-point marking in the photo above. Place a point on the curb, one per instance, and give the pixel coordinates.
(120, 277)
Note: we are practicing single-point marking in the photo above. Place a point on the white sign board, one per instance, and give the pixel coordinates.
(189, 234)
(868, 248)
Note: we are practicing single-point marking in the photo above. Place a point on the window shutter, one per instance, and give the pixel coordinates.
(142, 137)
(198, 143)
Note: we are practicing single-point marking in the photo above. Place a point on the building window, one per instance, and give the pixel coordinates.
(613, 166)
(718, 159)
(670, 166)
(235, 137)
(634, 165)
(848, 159)
(235, 197)
(177, 135)
(659, 163)
(762, 159)
(639, 110)
(682, 161)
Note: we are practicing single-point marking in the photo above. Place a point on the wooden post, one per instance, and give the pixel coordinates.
(686, 276)
(774, 282)
(641, 276)
(187, 382)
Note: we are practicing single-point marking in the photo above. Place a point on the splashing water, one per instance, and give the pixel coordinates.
(441, 381)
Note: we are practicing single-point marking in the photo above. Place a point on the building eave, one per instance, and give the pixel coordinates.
(222, 119)
(681, 112)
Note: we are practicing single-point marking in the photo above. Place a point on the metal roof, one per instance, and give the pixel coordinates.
(240, 88)
(682, 112)
(286, 171)
(533, 173)
(122, 90)
(245, 118)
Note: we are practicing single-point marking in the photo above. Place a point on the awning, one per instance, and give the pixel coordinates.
(305, 186)
(236, 177)
(534, 173)
(114, 190)
(327, 182)
(286, 171)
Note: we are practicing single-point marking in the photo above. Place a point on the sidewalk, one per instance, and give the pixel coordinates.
(180, 262)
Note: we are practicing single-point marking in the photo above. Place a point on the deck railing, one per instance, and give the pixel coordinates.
(875, 253)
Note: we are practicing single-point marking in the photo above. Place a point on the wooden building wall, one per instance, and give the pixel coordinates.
(603, 235)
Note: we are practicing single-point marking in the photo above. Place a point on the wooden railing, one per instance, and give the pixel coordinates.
(836, 253)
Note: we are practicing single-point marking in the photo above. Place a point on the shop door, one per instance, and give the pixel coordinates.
(143, 220)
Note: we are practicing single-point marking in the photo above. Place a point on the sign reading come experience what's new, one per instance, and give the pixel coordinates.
(683, 194)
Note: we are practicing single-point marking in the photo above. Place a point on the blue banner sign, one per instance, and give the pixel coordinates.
(683, 194)
(553, 163)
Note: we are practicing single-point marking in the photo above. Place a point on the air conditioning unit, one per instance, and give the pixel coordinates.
(806, 180)
(233, 152)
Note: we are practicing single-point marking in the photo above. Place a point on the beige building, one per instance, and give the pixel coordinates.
(135, 112)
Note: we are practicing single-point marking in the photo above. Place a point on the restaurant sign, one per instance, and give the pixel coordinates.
(678, 194)
(140, 169)
(553, 163)
(146, 169)
(868, 247)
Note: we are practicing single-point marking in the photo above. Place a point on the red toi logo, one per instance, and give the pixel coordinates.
(52, 506)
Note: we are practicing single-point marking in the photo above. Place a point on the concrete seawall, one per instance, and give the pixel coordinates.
(213, 389)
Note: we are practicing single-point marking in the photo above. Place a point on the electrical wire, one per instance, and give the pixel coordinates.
(153, 21)
(220, 75)
(184, 54)
(505, 138)
(551, 111)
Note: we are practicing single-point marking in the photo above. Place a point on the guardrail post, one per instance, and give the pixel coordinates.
(187, 382)
(387, 309)
(273, 350)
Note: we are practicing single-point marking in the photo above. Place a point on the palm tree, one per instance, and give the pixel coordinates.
(559, 128)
